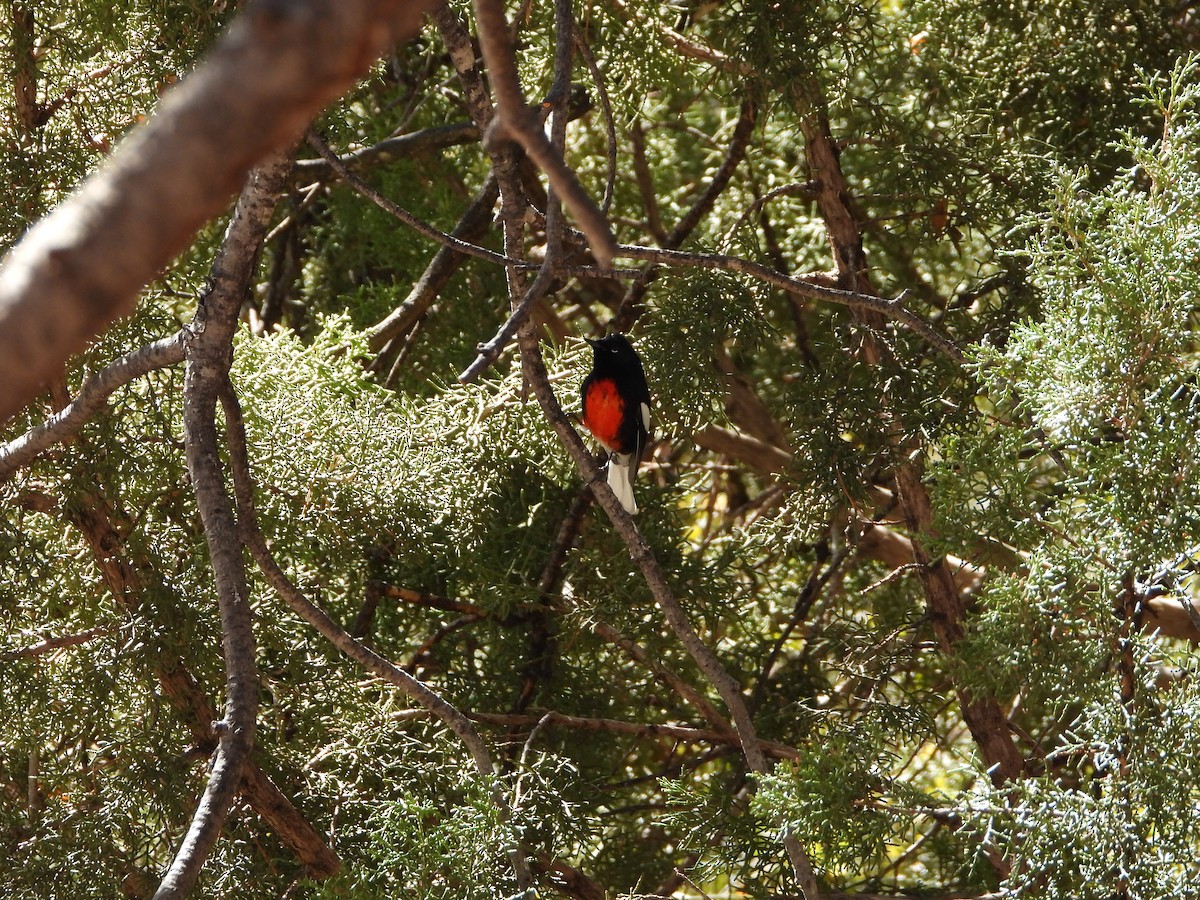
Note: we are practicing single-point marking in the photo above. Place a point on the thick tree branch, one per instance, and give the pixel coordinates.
(209, 355)
(983, 716)
(83, 265)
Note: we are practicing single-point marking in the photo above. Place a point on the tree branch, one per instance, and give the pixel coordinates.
(105, 530)
(734, 154)
(394, 209)
(534, 370)
(472, 226)
(516, 121)
(615, 726)
(89, 401)
(325, 625)
(82, 266)
(983, 716)
(893, 309)
(209, 355)
(49, 645)
(401, 146)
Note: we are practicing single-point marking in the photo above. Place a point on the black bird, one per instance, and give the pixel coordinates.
(616, 410)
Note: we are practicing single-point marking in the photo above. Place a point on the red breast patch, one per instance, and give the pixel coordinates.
(603, 410)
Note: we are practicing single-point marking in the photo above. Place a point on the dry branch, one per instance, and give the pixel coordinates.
(209, 350)
(90, 400)
(518, 122)
(82, 266)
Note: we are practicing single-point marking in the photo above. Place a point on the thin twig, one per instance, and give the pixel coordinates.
(610, 125)
(645, 183)
(890, 308)
(489, 352)
(738, 143)
(548, 274)
(394, 209)
(472, 226)
(399, 147)
(638, 653)
(515, 120)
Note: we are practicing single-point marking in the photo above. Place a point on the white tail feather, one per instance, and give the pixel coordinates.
(620, 479)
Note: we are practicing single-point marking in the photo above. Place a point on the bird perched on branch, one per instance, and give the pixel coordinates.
(616, 410)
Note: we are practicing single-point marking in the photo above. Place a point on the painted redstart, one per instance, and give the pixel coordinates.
(616, 410)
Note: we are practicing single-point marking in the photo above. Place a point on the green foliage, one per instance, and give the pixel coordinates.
(1098, 492)
(1028, 172)
(1116, 812)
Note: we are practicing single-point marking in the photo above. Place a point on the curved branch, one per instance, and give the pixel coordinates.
(252, 536)
(209, 355)
(515, 120)
(82, 266)
(90, 400)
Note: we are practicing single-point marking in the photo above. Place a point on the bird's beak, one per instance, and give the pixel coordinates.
(584, 340)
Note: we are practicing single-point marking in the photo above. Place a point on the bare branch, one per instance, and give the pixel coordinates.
(610, 125)
(401, 146)
(441, 269)
(82, 266)
(49, 645)
(743, 129)
(394, 209)
(90, 400)
(209, 355)
(518, 122)
(734, 154)
(638, 653)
